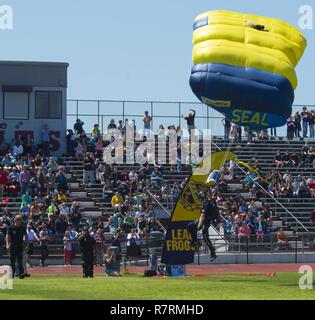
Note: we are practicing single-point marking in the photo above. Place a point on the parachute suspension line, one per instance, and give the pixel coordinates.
(228, 149)
(267, 192)
(204, 115)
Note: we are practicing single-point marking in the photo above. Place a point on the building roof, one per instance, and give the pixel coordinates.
(34, 63)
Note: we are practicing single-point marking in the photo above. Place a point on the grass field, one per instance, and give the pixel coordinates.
(136, 287)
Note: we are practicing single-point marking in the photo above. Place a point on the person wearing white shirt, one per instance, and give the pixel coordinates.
(32, 237)
(133, 243)
(133, 175)
(64, 209)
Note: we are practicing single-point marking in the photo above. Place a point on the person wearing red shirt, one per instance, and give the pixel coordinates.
(244, 231)
(3, 180)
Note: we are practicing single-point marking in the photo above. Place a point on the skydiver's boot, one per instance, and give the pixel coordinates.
(194, 245)
(213, 256)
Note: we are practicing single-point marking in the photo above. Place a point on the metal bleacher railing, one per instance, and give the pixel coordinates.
(295, 246)
(163, 112)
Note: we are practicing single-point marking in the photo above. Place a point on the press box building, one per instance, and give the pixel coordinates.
(33, 94)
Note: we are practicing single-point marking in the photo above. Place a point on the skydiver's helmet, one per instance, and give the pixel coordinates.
(214, 177)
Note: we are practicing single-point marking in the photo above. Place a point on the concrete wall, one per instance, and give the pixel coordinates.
(259, 258)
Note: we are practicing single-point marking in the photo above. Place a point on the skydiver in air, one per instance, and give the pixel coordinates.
(209, 216)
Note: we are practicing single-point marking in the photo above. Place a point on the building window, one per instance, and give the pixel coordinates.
(16, 105)
(48, 105)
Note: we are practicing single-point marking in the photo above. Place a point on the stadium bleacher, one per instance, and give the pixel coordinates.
(90, 197)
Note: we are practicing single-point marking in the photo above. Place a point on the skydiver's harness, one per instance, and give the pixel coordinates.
(209, 215)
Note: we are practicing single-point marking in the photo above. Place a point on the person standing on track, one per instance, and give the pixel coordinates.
(29, 250)
(87, 244)
(15, 245)
(44, 239)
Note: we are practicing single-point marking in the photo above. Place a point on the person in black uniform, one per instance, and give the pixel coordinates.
(209, 216)
(87, 244)
(15, 245)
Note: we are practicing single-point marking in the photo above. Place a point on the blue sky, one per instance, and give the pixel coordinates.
(138, 49)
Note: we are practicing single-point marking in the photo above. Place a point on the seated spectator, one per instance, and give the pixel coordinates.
(286, 160)
(35, 211)
(52, 164)
(252, 208)
(79, 152)
(302, 187)
(52, 209)
(64, 209)
(282, 240)
(100, 173)
(251, 223)
(154, 225)
(3, 180)
(244, 231)
(156, 177)
(89, 169)
(295, 159)
(311, 154)
(61, 197)
(17, 149)
(235, 229)
(113, 221)
(6, 161)
(142, 225)
(129, 222)
(25, 209)
(24, 180)
(133, 176)
(14, 175)
(98, 148)
(278, 159)
(311, 185)
(261, 228)
(50, 181)
(75, 215)
(117, 200)
(61, 180)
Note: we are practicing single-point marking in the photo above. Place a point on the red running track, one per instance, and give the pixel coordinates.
(194, 269)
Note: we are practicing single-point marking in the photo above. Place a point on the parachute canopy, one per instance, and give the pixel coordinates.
(244, 66)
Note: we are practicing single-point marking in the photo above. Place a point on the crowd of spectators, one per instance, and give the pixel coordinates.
(244, 216)
(234, 132)
(27, 172)
(301, 125)
(41, 183)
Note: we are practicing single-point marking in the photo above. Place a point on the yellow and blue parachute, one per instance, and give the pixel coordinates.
(244, 66)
